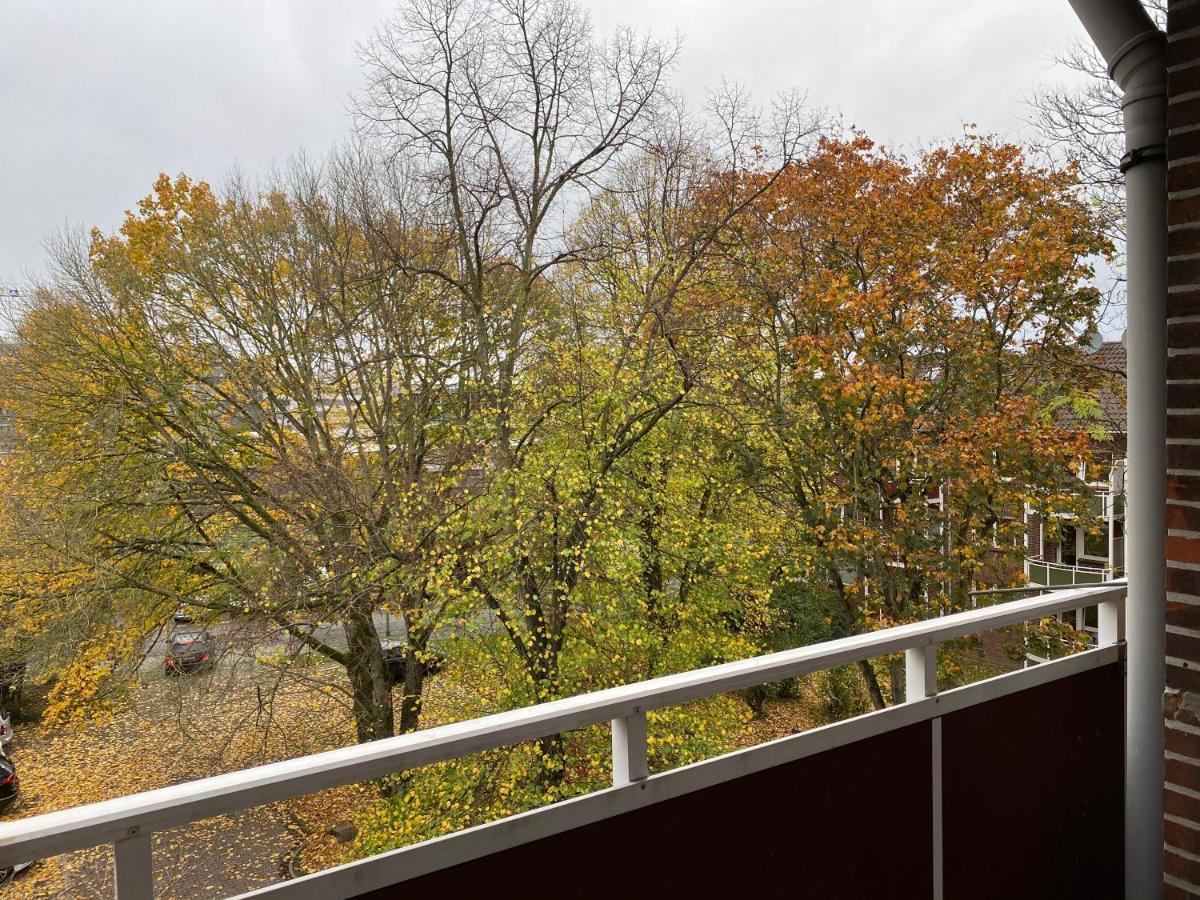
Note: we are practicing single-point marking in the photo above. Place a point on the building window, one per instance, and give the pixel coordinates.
(1068, 554)
(1095, 543)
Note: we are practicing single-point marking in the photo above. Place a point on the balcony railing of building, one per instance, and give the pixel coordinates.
(1052, 574)
(931, 772)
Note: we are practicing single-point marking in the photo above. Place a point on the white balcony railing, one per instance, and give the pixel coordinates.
(128, 822)
(1052, 574)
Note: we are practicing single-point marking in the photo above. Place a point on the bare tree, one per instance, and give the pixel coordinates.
(1084, 122)
(506, 113)
(512, 121)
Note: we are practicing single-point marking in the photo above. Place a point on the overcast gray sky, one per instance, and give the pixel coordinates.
(97, 98)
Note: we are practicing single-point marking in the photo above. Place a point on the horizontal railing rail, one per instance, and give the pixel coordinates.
(1037, 589)
(1069, 575)
(1078, 567)
(128, 822)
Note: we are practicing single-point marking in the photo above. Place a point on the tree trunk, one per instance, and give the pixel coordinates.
(415, 662)
(370, 686)
(873, 688)
(896, 673)
(544, 673)
(542, 666)
(414, 685)
(864, 665)
(552, 749)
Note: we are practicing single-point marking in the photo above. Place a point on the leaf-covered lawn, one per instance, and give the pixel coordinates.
(168, 731)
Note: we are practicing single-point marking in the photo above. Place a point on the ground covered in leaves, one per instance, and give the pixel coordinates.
(167, 731)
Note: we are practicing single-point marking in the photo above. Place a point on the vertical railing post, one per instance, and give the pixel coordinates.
(1110, 621)
(920, 672)
(629, 749)
(134, 866)
(920, 683)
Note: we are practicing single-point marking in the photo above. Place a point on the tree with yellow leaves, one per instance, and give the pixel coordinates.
(260, 416)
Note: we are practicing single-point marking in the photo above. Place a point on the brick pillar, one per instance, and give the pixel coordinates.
(1182, 708)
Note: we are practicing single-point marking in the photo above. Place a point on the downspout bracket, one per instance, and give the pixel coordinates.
(1139, 155)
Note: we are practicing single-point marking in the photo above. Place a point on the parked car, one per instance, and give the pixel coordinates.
(6, 731)
(190, 651)
(395, 652)
(182, 616)
(9, 787)
(8, 874)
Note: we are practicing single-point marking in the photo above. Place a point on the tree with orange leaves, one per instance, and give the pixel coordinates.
(906, 327)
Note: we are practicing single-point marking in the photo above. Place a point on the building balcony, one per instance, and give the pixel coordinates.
(942, 795)
(1045, 573)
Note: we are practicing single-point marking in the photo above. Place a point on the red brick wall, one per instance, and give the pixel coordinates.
(1182, 708)
(1033, 534)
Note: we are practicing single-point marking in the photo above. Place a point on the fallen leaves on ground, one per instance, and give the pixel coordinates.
(167, 731)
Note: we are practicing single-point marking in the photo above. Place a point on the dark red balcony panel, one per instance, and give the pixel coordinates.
(1032, 808)
(849, 823)
(1032, 792)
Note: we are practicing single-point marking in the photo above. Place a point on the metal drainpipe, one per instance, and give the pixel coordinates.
(1136, 54)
